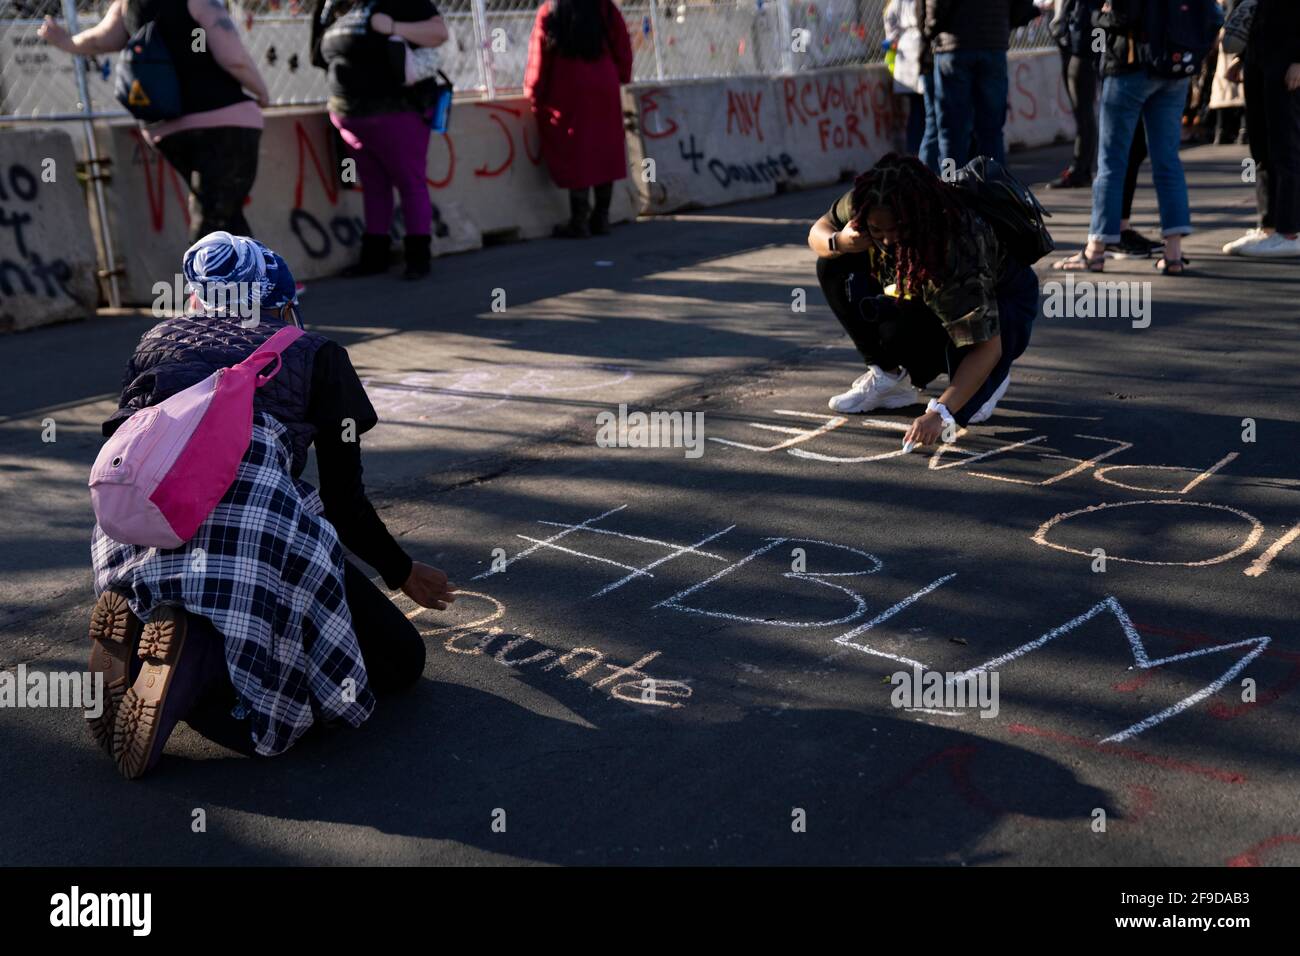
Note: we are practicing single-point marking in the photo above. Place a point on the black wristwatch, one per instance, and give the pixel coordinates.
(833, 243)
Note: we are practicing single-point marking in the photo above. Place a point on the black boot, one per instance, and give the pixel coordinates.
(599, 222)
(374, 256)
(578, 226)
(419, 261)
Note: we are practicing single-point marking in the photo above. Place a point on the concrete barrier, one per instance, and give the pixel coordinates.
(729, 139)
(47, 255)
(725, 140)
(486, 177)
(694, 143)
(1038, 109)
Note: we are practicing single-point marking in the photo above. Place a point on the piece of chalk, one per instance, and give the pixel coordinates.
(908, 446)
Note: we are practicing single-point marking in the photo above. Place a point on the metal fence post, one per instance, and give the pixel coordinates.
(784, 41)
(92, 156)
(484, 48)
(654, 30)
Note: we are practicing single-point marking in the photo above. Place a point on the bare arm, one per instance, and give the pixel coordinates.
(966, 381)
(847, 239)
(224, 44)
(106, 36)
(430, 32)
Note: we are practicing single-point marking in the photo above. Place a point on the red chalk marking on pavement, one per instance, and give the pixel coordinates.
(1251, 856)
(957, 760)
(1167, 763)
(1218, 709)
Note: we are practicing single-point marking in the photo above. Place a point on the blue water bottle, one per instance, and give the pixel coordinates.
(441, 104)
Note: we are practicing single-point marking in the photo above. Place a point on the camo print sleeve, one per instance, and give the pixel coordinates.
(966, 301)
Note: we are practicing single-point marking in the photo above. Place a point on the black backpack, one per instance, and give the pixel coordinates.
(145, 79)
(1176, 36)
(1007, 205)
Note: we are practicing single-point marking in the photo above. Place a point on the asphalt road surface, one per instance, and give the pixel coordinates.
(661, 658)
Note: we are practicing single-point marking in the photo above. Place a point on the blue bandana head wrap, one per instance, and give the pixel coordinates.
(235, 274)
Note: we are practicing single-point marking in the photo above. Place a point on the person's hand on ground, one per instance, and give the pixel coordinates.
(428, 587)
(850, 240)
(1293, 77)
(1234, 70)
(55, 35)
(926, 430)
(381, 23)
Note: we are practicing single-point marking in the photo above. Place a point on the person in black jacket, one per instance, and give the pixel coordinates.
(1271, 71)
(257, 628)
(213, 145)
(1072, 29)
(969, 40)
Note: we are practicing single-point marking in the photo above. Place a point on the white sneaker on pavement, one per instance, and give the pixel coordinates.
(986, 410)
(1276, 246)
(1243, 242)
(876, 388)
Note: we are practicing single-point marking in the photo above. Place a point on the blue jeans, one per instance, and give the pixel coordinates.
(1159, 103)
(970, 89)
(929, 148)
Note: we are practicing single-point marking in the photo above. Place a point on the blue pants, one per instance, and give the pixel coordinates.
(1158, 103)
(970, 89)
(929, 147)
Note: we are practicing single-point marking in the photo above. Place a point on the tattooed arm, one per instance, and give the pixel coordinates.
(106, 36)
(224, 45)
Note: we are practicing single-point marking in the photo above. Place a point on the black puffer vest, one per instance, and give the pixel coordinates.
(180, 352)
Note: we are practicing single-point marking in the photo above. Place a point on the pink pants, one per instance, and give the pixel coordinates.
(391, 150)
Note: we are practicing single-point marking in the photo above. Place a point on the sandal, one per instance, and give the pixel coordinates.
(1162, 266)
(1079, 262)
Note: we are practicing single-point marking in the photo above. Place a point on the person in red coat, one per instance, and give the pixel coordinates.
(578, 57)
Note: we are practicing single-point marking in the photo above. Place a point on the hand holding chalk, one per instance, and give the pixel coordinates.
(908, 446)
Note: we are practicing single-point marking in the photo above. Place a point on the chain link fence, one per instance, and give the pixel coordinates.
(486, 54)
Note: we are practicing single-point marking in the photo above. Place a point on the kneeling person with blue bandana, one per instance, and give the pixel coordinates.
(258, 627)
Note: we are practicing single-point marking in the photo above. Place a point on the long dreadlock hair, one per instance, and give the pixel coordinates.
(925, 208)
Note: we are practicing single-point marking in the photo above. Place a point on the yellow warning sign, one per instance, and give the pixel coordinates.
(137, 96)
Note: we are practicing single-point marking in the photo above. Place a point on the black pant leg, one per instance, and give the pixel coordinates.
(1082, 88)
(1137, 154)
(225, 167)
(912, 335)
(604, 196)
(1257, 121)
(390, 644)
(1284, 147)
(845, 281)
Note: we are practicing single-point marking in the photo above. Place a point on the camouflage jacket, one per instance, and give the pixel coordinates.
(966, 300)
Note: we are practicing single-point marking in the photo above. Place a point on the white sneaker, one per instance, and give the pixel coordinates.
(986, 410)
(1243, 242)
(1276, 246)
(876, 389)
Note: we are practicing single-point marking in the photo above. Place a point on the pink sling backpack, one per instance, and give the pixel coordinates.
(164, 470)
